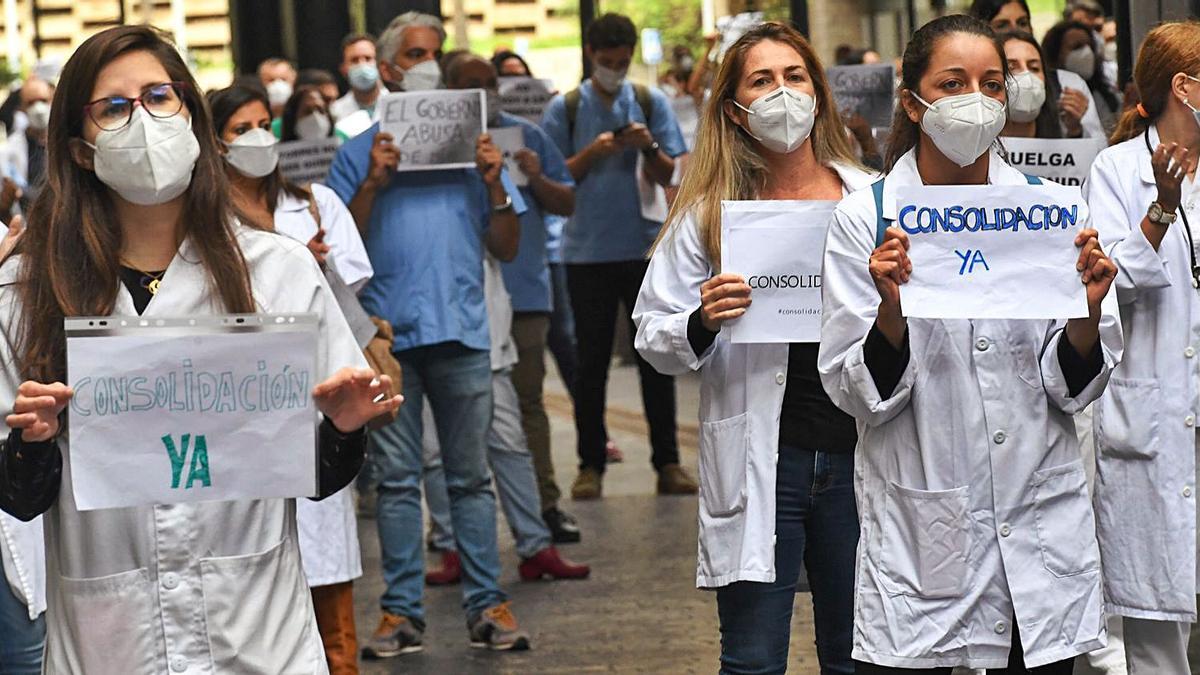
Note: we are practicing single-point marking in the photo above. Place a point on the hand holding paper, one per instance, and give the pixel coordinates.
(723, 298)
(1098, 270)
(353, 397)
(488, 159)
(37, 408)
(890, 267)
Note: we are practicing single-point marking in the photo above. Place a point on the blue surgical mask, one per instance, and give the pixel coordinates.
(363, 76)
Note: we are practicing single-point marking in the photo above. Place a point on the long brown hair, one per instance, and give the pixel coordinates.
(70, 251)
(724, 164)
(1168, 49)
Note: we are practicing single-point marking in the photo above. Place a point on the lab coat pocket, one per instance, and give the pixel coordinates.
(109, 624)
(724, 449)
(1127, 418)
(259, 614)
(925, 539)
(1066, 528)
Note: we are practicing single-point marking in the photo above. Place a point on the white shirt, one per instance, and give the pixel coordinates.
(347, 254)
(209, 587)
(971, 492)
(1146, 421)
(347, 105)
(741, 395)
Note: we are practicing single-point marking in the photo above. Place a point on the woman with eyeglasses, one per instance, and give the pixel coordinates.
(136, 219)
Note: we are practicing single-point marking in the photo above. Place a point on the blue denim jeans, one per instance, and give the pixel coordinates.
(816, 523)
(458, 384)
(21, 640)
(512, 464)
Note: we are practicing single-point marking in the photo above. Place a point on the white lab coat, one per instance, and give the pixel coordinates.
(741, 395)
(972, 498)
(1092, 126)
(209, 587)
(1146, 421)
(347, 254)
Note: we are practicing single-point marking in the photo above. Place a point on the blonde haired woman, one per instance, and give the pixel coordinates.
(776, 462)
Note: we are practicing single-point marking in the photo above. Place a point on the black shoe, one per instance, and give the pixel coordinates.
(563, 528)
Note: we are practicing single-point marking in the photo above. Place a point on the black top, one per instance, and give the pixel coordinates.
(137, 283)
(808, 419)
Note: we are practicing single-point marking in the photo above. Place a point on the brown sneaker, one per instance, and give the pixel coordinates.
(496, 629)
(673, 480)
(589, 484)
(396, 635)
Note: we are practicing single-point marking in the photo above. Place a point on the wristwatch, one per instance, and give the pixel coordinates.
(501, 208)
(651, 150)
(1160, 216)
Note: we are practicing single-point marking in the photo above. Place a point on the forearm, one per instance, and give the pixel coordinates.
(504, 228)
(554, 196)
(660, 168)
(341, 457)
(1154, 232)
(360, 207)
(581, 163)
(30, 476)
(1084, 334)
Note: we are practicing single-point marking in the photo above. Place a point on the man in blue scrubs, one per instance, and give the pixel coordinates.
(425, 232)
(604, 128)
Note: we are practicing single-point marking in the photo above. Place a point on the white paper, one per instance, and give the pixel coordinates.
(652, 197)
(176, 414)
(434, 129)
(1013, 272)
(776, 246)
(525, 97)
(1063, 160)
(307, 162)
(511, 140)
(687, 114)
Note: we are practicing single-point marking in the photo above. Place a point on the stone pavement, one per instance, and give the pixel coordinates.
(638, 613)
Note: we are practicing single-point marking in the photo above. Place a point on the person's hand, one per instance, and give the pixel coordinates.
(890, 267)
(711, 39)
(385, 157)
(723, 298)
(529, 163)
(1072, 105)
(36, 410)
(318, 247)
(604, 145)
(9, 194)
(1097, 268)
(16, 227)
(859, 126)
(354, 396)
(636, 135)
(1171, 165)
(488, 159)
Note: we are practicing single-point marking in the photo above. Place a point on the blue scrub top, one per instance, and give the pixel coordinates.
(608, 225)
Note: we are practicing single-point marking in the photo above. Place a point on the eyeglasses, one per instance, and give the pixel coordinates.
(160, 100)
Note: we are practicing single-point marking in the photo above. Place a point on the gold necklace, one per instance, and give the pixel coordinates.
(155, 280)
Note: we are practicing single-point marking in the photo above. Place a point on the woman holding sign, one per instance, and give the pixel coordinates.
(976, 545)
(776, 461)
(1143, 194)
(136, 219)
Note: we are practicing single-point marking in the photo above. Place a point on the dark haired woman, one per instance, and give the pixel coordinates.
(328, 533)
(1032, 112)
(136, 219)
(960, 563)
(1069, 46)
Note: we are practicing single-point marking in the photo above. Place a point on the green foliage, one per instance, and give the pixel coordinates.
(677, 20)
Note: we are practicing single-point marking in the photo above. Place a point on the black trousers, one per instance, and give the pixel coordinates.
(596, 290)
(1016, 665)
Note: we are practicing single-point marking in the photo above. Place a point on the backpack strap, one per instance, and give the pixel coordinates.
(881, 224)
(572, 99)
(641, 93)
(1033, 180)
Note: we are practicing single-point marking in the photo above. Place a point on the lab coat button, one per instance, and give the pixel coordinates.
(999, 437)
(780, 378)
(170, 581)
(179, 664)
(1190, 420)
(1189, 352)
(1001, 627)
(1187, 491)
(1005, 530)
(982, 344)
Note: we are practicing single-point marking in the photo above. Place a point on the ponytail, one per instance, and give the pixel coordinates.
(1168, 49)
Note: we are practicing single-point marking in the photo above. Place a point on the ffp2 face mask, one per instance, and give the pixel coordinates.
(148, 161)
(1026, 95)
(963, 126)
(782, 119)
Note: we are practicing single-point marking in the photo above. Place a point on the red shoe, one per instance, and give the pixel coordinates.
(451, 572)
(613, 453)
(548, 563)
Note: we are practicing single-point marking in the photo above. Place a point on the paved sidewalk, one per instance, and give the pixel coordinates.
(639, 612)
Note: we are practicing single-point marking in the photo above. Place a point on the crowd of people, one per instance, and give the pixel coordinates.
(932, 477)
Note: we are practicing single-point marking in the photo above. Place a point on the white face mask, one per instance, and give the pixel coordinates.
(424, 76)
(254, 154)
(38, 114)
(782, 119)
(313, 126)
(1110, 51)
(1026, 95)
(1195, 111)
(148, 161)
(609, 80)
(363, 76)
(963, 127)
(1081, 61)
(278, 92)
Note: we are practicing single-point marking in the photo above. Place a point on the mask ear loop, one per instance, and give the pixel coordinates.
(748, 112)
(1185, 101)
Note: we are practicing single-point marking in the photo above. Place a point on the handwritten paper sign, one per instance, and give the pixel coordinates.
(776, 246)
(992, 251)
(1063, 160)
(511, 140)
(306, 162)
(434, 129)
(204, 409)
(525, 97)
(866, 90)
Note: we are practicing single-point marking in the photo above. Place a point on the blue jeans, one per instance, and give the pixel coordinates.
(458, 384)
(561, 338)
(511, 462)
(816, 522)
(21, 640)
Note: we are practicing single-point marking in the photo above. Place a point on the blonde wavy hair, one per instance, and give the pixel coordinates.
(724, 164)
